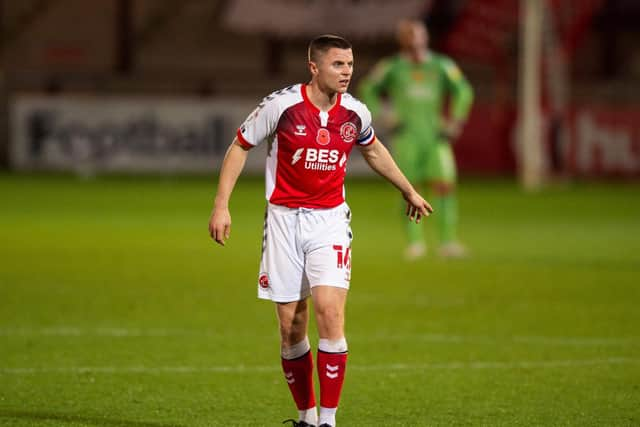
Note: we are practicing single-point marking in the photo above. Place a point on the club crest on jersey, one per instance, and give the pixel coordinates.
(348, 132)
(264, 280)
(323, 137)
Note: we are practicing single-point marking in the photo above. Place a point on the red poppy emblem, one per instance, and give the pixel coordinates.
(323, 137)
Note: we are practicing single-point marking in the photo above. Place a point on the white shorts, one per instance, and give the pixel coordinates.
(303, 248)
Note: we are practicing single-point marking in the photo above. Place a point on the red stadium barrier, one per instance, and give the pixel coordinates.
(485, 146)
(602, 141)
(605, 141)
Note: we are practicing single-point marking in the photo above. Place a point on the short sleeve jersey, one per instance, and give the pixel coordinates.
(308, 148)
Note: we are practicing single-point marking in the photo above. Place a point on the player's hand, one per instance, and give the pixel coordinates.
(220, 225)
(450, 129)
(417, 206)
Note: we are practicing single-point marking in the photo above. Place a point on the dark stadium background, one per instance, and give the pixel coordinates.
(207, 50)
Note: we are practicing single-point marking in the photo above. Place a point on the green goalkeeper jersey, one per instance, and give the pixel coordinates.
(418, 93)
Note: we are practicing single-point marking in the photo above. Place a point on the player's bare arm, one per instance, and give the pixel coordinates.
(232, 165)
(379, 159)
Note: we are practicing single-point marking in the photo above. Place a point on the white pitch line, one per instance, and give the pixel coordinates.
(70, 331)
(547, 340)
(393, 367)
(114, 332)
(577, 341)
(138, 369)
(501, 365)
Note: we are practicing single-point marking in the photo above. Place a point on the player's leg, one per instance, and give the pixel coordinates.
(297, 360)
(408, 157)
(442, 175)
(282, 281)
(329, 304)
(328, 269)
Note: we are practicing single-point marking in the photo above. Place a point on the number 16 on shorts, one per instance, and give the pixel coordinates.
(343, 256)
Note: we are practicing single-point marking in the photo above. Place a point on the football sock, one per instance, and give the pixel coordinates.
(327, 416)
(296, 350)
(332, 360)
(297, 364)
(447, 218)
(310, 416)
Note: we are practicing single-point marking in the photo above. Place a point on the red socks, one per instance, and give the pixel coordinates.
(331, 367)
(299, 375)
(298, 372)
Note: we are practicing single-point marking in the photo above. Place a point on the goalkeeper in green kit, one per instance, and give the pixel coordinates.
(418, 83)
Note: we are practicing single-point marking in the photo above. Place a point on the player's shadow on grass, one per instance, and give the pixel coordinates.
(70, 418)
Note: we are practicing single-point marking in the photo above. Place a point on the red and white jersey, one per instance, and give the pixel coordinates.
(308, 148)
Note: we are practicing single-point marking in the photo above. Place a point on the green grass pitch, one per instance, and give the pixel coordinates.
(116, 309)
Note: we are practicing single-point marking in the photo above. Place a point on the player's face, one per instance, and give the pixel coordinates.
(414, 37)
(333, 70)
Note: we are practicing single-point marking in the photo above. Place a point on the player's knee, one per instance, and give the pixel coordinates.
(330, 315)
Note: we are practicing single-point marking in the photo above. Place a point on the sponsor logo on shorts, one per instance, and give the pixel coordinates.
(264, 280)
(348, 132)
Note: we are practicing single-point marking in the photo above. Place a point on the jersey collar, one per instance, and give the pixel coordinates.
(303, 89)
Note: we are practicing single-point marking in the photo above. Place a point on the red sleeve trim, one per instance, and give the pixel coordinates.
(245, 144)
